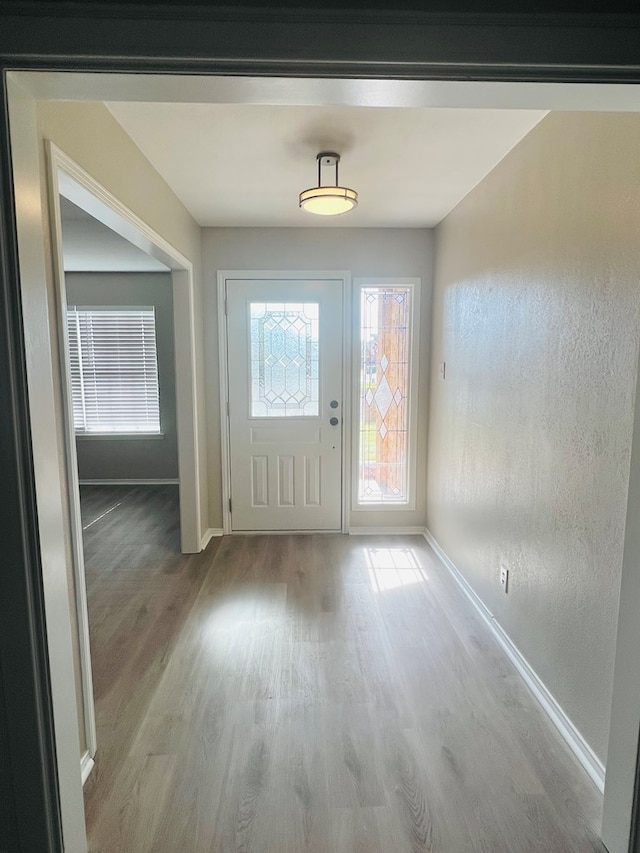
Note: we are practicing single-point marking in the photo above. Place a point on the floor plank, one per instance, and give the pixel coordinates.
(315, 693)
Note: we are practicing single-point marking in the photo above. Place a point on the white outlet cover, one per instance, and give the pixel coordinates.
(504, 577)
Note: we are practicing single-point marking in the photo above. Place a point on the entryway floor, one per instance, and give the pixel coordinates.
(307, 693)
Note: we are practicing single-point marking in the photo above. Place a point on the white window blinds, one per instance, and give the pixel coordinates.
(114, 369)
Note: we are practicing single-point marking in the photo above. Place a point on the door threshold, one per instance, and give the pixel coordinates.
(281, 532)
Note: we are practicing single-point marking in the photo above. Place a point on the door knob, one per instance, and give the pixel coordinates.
(333, 421)
(334, 404)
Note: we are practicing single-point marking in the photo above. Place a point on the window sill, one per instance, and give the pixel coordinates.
(119, 436)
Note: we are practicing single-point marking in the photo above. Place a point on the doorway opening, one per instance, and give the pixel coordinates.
(69, 181)
(121, 303)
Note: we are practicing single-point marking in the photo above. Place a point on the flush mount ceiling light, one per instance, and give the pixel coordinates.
(328, 199)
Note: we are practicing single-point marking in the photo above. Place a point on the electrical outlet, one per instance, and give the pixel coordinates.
(504, 578)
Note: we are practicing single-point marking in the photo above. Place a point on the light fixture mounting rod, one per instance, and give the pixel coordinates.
(327, 158)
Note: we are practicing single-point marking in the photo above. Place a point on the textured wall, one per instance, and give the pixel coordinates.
(536, 309)
(122, 459)
(376, 252)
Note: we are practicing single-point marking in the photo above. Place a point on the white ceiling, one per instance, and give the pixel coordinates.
(245, 164)
(90, 246)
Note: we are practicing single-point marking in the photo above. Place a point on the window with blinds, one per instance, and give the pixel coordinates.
(114, 370)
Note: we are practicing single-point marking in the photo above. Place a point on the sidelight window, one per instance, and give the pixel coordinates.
(386, 381)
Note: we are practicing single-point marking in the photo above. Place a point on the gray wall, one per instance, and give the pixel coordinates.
(536, 310)
(122, 459)
(375, 252)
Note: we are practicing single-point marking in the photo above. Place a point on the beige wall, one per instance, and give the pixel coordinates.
(536, 310)
(382, 252)
(91, 136)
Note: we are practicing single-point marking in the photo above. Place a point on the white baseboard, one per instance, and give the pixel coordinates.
(576, 743)
(386, 531)
(210, 534)
(86, 766)
(145, 482)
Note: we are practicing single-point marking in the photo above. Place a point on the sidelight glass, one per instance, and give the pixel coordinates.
(383, 441)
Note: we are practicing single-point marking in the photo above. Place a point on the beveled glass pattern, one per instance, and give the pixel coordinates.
(284, 359)
(383, 447)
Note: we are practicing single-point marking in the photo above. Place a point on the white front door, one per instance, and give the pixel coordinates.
(285, 403)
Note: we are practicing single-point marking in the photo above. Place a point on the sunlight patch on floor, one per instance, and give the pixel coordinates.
(391, 568)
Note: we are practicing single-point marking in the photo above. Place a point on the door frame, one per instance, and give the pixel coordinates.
(344, 277)
(66, 178)
(57, 170)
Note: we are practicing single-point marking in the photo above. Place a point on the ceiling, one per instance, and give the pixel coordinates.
(245, 164)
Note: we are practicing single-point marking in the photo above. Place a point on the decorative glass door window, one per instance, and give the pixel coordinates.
(284, 359)
(385, 373)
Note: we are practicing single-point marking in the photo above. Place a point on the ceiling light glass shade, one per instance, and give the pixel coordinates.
(328, 201)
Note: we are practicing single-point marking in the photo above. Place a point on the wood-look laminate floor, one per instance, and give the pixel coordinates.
(319, 693)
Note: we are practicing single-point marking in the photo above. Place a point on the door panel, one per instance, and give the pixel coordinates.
(285, 370)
